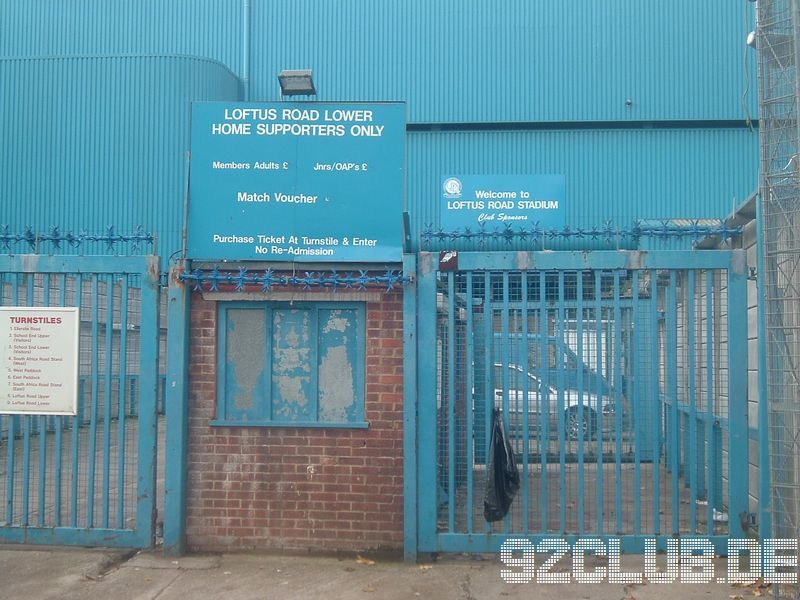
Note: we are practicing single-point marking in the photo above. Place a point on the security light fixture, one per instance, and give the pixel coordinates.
(297, 83)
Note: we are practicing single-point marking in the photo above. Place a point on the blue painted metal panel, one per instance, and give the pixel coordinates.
(301, 181)
(472, 200)
(284, 366)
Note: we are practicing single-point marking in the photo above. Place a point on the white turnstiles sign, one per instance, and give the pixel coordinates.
(39, 360)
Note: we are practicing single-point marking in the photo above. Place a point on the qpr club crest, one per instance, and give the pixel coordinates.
(452, 187)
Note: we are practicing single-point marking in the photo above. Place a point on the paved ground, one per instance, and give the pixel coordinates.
(44, 573)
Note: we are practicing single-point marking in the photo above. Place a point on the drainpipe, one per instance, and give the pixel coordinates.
(246, 50)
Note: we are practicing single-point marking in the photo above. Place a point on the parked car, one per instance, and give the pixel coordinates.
(579, 423)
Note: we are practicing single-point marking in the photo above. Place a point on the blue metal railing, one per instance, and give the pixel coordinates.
(132, 393)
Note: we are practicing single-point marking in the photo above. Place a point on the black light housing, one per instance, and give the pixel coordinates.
(297, 83)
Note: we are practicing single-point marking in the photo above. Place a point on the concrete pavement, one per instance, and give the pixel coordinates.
(50, 573)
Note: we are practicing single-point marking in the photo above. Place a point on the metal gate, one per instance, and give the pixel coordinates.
(89, 479)
(621, 380)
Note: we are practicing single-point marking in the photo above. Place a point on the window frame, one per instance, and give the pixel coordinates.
(267, 307)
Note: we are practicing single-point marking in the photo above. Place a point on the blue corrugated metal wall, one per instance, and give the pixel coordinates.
(451, 60)
(113, 130)
(617, 175)
(90, 142)
(512, 60)
(209, 28)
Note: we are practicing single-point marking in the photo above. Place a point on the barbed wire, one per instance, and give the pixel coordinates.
(537, 235)
(58, 239)
(241, 279)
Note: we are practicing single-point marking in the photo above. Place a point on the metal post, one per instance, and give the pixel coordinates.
(177, 411)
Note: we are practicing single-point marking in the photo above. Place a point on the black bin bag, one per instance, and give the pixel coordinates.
(502, 477)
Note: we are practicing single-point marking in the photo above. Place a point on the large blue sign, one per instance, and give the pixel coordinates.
(296, 182)
(499, 200)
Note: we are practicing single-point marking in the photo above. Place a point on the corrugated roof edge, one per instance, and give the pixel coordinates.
(119, 56)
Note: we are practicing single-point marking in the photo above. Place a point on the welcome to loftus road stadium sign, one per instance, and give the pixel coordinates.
(308, 181)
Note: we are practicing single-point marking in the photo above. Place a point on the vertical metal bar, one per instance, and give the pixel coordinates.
(427, 482)
(544, 395)
(579, 367)
(94, 402)
(9, 440)
(598, 325)
(451, 403)
(26, 431)
(468, 402)
(671, 326)
(62, 301)
(176, 406)
(43, 428)
(655, 400)
(123, 387)
(764, 495)
(26, 468)
(692, 458)
(148, 394)
(410, 399)
(132, 402)
(616, 372)
(562, 457)
(2, 293)
(488, 360)
(269, 317)
(525, 403)
(13, 421)
(109, 360)
(738, 439)
(636, 401)
(504, 353)
(711, 485)
(76, 422)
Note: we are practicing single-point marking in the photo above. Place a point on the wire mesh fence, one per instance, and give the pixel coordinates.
(778, 24)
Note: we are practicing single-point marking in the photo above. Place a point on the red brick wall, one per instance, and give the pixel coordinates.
(298, 488)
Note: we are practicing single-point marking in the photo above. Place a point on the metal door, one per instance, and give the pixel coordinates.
(621, 381)
(89, 479)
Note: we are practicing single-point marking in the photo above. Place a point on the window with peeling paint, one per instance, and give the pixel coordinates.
(291, 364)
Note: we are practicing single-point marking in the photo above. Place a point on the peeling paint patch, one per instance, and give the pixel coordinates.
(291, 364)
(336, 322)
(336, 391)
